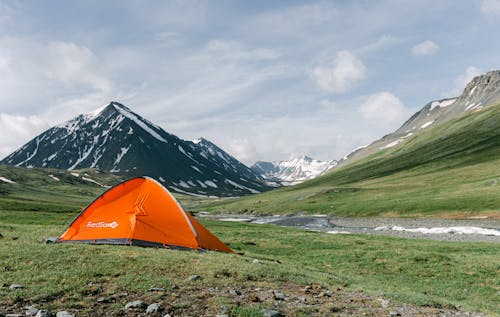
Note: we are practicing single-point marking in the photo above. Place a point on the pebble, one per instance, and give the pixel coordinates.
(64, 313)
(31, 311)
(194, 277)
(271, 313)
(157, 289)
(255, 261)
(135, 304)
(278, 295)
(105, 299)
(234, 292)
(154, 308)
(44, 313)
(394, 313)
(13, 315)
(16, 286)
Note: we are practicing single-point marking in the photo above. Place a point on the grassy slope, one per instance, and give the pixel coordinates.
(450, 169)
(34, 190)
(410, 271)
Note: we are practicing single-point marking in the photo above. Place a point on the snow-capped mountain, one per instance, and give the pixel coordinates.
(481, 92)
(115, 139)
(292, 172)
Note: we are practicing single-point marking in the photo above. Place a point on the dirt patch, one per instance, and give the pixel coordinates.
(195, 299)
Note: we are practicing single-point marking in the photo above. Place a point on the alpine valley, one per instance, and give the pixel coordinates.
(117, 140)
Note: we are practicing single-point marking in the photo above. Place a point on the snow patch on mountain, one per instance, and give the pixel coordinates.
(139, 122)
(6, 180)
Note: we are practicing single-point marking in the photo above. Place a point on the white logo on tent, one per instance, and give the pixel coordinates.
(102, 224)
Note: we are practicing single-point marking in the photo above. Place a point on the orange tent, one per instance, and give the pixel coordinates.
(141, 212)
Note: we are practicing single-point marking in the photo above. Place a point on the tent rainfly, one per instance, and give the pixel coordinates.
(142, 212)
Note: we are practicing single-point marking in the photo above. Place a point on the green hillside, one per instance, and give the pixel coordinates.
(452, 169)
(48, 192)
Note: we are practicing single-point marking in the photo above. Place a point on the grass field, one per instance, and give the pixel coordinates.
(73, 276)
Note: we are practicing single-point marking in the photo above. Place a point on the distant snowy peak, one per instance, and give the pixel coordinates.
(294, 171)
(113, 138)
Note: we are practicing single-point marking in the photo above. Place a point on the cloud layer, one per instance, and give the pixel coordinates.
(263, 80)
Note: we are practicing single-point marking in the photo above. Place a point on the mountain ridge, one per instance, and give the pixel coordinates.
(114, 138)
(482, 91)
(293, 171)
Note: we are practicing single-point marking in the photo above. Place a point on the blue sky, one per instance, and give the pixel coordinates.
(264, 80)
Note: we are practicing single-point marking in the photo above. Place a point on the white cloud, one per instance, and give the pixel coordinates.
(383, 108)
(425, 48)
(341, 74)
(490, 7)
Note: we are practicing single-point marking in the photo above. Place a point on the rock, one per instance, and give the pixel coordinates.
(31, 311)
(394, 313)
(302, 299)
(157, 289)
(271, 313)
(325, 294)
(223, 315)
(105, 299)
(135, 304)
(13, 315)
(234, 292)
(278, 295)
(195, 277)
(167, 315)
(16, 286)
(383, 302)
(154, 308)
(51, 240)
(44, 313)
(8, 268)
(255, 261)
(64, 313)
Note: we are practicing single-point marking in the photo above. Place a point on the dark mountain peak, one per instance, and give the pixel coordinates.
(114, 138)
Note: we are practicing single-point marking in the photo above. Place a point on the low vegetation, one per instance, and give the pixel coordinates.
(361, 272)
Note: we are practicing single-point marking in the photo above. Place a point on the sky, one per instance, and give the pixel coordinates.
(264, 80)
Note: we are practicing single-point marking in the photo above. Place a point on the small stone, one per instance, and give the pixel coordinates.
(8, 268)
(51, 240)
(255, 261)
(154, 308)
(31, 311)
(157, 289)
(175, 286)
(302, 299)
(194, 277)
(135, 304)
(105, 299)
(234, 292)
(16, 286)
(278, 295)
(394, 313)
(167, 315)
(223, 315)
(383, 302)
(13, 315)
(325, 294)
(64, 313)
(271, 313)
(43, 313)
